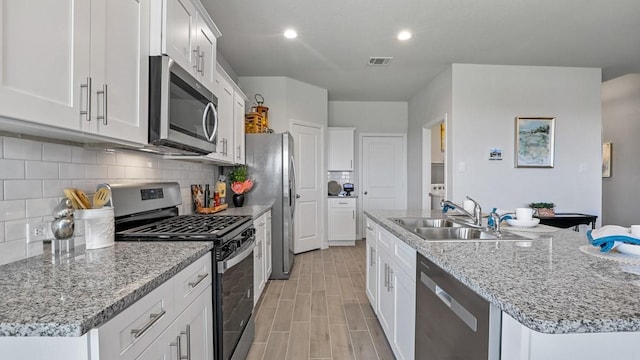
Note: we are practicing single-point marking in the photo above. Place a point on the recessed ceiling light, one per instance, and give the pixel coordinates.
(290, 34)
(404, 35)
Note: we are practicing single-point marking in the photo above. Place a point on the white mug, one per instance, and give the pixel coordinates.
(635, 231)
(524, 213)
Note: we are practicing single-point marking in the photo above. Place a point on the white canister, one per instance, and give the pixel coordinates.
(99, 227)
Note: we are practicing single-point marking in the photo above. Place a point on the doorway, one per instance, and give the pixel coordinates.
(434, 165)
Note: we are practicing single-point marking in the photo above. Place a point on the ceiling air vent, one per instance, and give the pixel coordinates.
(380, 60)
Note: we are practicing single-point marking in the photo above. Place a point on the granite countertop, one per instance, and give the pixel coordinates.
(254, 210)
(40, 297)
(548, 284)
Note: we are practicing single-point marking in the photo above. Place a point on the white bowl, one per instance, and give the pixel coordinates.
(628, 249)
(523, 223)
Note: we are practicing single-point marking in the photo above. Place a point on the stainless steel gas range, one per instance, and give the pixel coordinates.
(149, 212)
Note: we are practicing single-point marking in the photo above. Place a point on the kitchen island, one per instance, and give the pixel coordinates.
(551, 294)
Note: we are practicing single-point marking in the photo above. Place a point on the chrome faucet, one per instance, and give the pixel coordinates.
(476, 217)
(495, 222)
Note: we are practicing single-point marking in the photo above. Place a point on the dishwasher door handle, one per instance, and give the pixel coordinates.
(461, 312)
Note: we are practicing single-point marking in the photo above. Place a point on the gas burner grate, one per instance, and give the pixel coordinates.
(188, 227)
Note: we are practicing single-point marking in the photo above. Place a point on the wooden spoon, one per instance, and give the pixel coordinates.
(83, 199)
(101, 197)
(71, 195)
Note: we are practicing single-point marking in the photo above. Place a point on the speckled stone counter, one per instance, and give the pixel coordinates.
(67, 298)
(254, 210)
(547, 284)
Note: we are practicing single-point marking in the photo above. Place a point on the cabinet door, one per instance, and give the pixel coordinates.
(205, 51)
(195, 328)
(224, 92)
(403, 289)
(44, 61)
(120, 69)
(372, 278)
(180, 32)
(238, 128)
(267, 248)
(258, 270)
(341, 149)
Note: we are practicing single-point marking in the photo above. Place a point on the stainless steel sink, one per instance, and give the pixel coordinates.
(443, 229)
(412, 223)
(453, 233)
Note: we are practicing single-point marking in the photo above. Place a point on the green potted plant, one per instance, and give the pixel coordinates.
(240, 184)
(543, 209)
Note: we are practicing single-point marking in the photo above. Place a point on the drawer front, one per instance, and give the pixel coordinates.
(190, 282)
(130, 332)
(342, 203)
(405, 257)
(386, 241)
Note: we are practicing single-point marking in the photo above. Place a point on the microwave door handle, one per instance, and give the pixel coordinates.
(204, 122)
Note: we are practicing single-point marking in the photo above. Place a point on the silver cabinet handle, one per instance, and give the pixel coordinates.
(343, 203)
(238, 152)
(196, 51)
(354, 213)
(188, 334)
(201, 57)
(104, 102)
(200, 278)
(153, 318)
(386, 276)
(390, 278)
(178, 347)
(88, 87)
(351, 164)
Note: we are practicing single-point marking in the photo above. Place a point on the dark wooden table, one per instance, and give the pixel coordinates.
(567, 220)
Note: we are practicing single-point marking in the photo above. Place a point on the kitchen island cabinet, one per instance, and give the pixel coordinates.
(109, 303)
(556, 301)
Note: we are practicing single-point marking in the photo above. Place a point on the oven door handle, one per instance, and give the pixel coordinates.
(241, 254)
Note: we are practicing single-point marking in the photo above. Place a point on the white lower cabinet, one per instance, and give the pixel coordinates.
(342, 221)
(372, 274)
(394, 292)
(261, 254)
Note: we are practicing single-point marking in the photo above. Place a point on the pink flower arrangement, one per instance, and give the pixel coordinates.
(241, 187)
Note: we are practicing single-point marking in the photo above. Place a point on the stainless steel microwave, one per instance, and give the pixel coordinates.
(183, 116)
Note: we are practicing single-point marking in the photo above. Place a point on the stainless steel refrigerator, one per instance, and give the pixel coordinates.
(270, 161)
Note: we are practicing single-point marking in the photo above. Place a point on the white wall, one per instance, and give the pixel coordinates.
(621, 127)
(287, 99)
(34, 173)
(486, 100)
(426, 107)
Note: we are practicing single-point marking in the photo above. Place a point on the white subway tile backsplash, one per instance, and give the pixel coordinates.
(41, 170)
(11, 169)
(22, 149)
(71, 171)
(133, 160)
(88, 186)
(1, 232)
(115, 172)
(56, 152)
(12, 251)
(96, 171)
(16, 230)
(51, 188)
(22, 189)
(83, 156)
(106, 157)
(12, 210)
(35, 249)
(41, 207)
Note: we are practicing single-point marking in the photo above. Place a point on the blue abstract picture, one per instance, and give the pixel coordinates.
(534, 142)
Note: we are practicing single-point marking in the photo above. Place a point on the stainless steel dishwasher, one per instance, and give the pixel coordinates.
(452, 321)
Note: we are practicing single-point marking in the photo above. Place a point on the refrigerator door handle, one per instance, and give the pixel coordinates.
(292, 189)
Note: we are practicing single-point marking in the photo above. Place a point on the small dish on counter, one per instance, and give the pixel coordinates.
(523, 223)
(628, 249)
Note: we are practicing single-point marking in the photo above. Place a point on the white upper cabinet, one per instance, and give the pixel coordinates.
(188, 36)
(341, 148)
(239, 101)
(224, 92)
(44, 61)
(119, 69)
(79, 65)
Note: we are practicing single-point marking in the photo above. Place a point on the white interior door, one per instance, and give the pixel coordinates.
(308, 154)
(384, 172)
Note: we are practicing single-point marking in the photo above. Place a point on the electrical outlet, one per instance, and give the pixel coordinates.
(38, 232)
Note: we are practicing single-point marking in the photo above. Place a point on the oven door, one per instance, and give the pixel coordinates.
(182, 112)
(235, 278)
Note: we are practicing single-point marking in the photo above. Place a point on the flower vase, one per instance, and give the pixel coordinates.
(238, 200)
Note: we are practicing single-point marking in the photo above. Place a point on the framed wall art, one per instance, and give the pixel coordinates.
(606, 160)
(534, 142)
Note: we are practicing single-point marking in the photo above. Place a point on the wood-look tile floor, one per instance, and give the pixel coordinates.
(321, 312)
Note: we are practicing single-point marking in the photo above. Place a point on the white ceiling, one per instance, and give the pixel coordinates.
(337, 37)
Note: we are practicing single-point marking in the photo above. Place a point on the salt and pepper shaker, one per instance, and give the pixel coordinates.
(62, 227)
